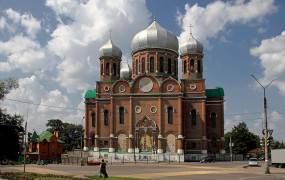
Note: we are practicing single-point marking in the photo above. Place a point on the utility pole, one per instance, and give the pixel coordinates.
(25, 146)
(265, 131)
(231, 150)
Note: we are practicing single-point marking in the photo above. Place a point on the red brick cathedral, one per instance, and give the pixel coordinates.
(146, 108)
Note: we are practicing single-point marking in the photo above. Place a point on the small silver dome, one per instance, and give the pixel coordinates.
(110, 50)
(154, 36)
(125, 71)
(191, 46)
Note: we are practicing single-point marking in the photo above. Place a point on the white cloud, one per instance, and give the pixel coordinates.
(24, 53)
(33, 91)
(271, 54)
(209, 21)
(32, 25)
(86, 30)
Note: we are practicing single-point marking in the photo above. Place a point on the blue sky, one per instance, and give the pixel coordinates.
(52, 48)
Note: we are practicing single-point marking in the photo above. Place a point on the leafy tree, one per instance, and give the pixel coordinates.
(243, 139)
(6, 86)
(69, 133)
(277, 145)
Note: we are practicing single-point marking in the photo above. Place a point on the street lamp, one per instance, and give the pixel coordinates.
(265, 131)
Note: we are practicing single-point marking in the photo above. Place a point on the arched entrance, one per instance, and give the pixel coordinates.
(146, 135)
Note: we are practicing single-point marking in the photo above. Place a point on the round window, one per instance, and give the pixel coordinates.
(153, 109)
(138, 109)
(107, 88)
(122, 88)
(169, 87)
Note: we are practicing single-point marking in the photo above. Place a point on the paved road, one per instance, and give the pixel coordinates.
(219, 170)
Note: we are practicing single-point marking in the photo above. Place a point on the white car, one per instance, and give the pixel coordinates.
(252, 162)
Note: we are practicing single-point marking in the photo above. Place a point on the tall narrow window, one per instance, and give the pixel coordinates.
(193, 117)
(213, 118)
(114, 69)
(175, 67)
(118, 69)
(170, 115)
(137, 67)
(161, 64)
(122, 115)
(184, 67)
(102, 69)
(93, 118)
(199, 66)
(151, 64)
(107, 68)
(191, 65)
(169, 66)
(143, 65)
(106, 117)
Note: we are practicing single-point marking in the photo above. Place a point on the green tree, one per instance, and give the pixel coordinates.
(277, 144)
(6, 85)
(69, 133)
(243, 139)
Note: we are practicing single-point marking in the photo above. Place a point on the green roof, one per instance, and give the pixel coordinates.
(45, 135)
(90, 94)
(218, 92)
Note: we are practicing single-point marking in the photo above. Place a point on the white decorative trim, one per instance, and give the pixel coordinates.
(111, 135)
(130, 150)
(85, 148)
(96, 149)
(159, 151)
(153, 109)
(138, 109)
(106, 88)
(96, 136)
(159, 136)
(179, 151)
(122, 88)
(180, 136)
(130, 136)
(193, 86)
(204, 151)
(137, 150)
(111, 150)
(170, 87)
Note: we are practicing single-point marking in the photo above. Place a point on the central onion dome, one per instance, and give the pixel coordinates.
(110, 50)
(191, 46)
(154, 36)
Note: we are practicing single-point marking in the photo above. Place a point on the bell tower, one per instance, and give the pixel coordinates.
(191, 54)
(110, 59)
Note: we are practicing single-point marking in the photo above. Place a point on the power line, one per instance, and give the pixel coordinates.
(39, 104)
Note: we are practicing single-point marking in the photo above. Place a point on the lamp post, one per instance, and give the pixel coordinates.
(265, 131)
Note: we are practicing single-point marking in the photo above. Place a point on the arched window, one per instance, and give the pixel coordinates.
(114, 69)
(161, 64)
(175, 68)
(106, 117)
(143, 65)
(170, 115)
(169, 66)
(118, 69)
(199, 67)
(193, 117)
(137, 67)
(184, 67)
(102, 69)
(213, 118)
(93, 119)
(107, 68)
(122, 115)
(191, 65)
(151, 64)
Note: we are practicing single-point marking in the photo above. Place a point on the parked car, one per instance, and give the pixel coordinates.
(207, 159)
(252, 162)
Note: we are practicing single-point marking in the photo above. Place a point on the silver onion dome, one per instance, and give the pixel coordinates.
(154, 36)
(110, 50)
(191, 46)
(125, 71)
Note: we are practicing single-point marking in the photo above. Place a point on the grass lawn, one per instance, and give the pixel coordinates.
(35, 176)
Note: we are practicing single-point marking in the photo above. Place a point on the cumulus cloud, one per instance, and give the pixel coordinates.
(271, 54)
(209, 21)
(83, 27)
(31, 25)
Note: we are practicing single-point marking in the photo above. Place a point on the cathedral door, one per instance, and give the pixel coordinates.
(146, 135)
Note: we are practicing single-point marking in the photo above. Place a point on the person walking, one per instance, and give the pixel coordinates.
(103, 169)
